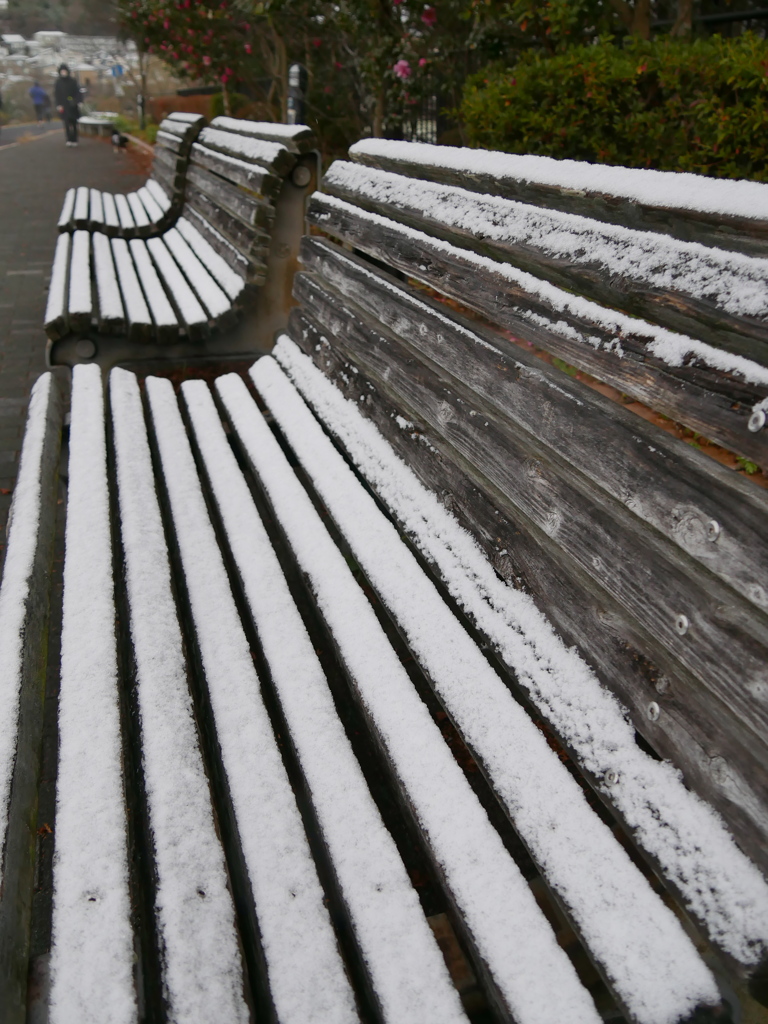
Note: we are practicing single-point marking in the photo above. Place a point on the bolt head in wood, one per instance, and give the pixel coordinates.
(713, 530)
(653, 711)
(611, 777)
(756, 420)
(301, 176)
(681, 625)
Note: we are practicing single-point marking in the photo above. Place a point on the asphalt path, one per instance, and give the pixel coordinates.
(10, 134)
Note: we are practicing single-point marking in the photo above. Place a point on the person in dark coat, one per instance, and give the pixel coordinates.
(40, 101)
(68, 103)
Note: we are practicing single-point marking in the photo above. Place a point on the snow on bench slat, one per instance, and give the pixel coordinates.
(734, 282)
(56, 307)
(136, 309)
(179, 115)
(408, 972)
(80, 293)
(150, 204)
(21, 551)
(140, 218)
(229, 280)
(184, 298)
(92, 956)
(512, 935)
(111, 218)
(664, 189)
(65, 217)
(720, 885)
(206, 288)
(307, 979)
(175, 127)
(669, 346)
(107, 290)
(124, 211)
(170, 138)
(162, 312)
(237, 258)
(640, 943)
(261, 129)
(203, 972)
(258, 151)
(158, 194)
(82, 203)
(96, 213)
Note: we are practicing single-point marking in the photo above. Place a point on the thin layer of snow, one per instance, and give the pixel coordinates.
(510, 931)
(92, 955)
(721, 886)
(630, 931)
(107, 290)
(96, 212)
(237, 258)
(80, 297)
(158, 194)
(407, 969)
(140, 218)
(732, 281)
(170, 138)
(665, 189)
(258, 151)
(672, 348)
(57, 291)
(124, 211)
(252, 173)
(261, 129)
(178, 129)
(154, 212)
(307, 979)
(230, 281)
(184, 298)
(162, 312)
(136, 308)
(82, 202)
(202, 967)
(111, 218)
(67, 208)
(179, 115)
(20, 553)
(207, 290)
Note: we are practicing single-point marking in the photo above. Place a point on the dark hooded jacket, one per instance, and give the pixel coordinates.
(68, 96)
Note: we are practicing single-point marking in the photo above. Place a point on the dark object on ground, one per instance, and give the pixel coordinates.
(119, 141)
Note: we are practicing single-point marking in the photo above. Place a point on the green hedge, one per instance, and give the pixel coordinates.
(675, 106)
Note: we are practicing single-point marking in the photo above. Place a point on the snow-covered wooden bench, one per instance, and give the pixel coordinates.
(154, 206)
(407, 642)
(178, 291)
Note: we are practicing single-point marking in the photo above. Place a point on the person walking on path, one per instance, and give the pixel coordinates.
(40, 101)
(68, 103)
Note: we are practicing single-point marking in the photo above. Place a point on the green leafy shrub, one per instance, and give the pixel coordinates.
(670, 105)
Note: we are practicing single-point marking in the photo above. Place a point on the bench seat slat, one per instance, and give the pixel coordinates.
(56, 306)
(93, 953)
(166, 323)
(252, 267)
(139, 214)
(409, 976)
(110, 305)
(67, 209)
(96, 212)
(124, 212)
(185, 300)
(136, 309)
(637, 357)
(111, 218)
(534, 976)
(231, 281)
(715, 295)
(717, 881)
(153, 209)
(206, 289)
(661, 479)
(654, 967)
(307, 978)
(158, 194)
(203, 974)
(80, 302)
(82, 205)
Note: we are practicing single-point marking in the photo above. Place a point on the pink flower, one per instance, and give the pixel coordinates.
(248, 48)
(402, 69)
(317, 42)
(338, 65)
(397, 2)
(429, 16)
(207, 60)
(422, 62)
(166, 24)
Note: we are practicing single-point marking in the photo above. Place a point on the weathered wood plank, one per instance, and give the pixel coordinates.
(711, 402)
(740, 234)
(296, 137)
(247, 208)
(253, 242)
(246, 266)
(616, 268)
(273, 156)
(710, 512)
(695, 730)
(686, 615)
(250, 176)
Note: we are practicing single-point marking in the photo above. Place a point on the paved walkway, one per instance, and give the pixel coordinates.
(34, 176)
